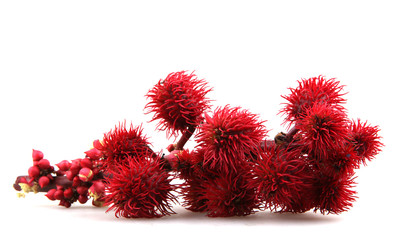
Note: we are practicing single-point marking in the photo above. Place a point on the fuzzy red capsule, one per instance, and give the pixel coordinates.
(178, 101)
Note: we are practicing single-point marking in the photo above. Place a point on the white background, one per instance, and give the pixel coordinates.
(71, 70)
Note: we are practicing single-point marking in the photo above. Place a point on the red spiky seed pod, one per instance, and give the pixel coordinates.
(334, 195)
(121, 143)
(178, 101)
(229, 195)
(340, 163)
(283, 179)
(365, 140)
(310, 91)
(229, 136)
(139, 188)
(193, 194)
(322, 130)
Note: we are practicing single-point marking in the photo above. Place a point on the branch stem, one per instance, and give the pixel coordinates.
(185, 137)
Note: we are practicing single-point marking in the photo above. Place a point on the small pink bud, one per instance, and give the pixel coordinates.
(44, 164)
(97, 188)
(34, 172)
(173, 159)
(75, 166)
(37, 155)
(86, 174)
(93, 154)
(171, 147)
(50, 194)
(65, 203)
(82, 190)
(63, 165)
(50, 177)
(86, 163)
(83, 199)
(44, 181)
(69, 175)
(95, 171)
(68, 193)
(23, 180)
(98, 145)
(76, 181)
(58, 194)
